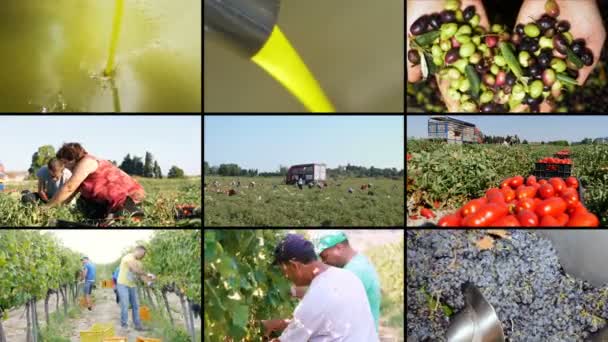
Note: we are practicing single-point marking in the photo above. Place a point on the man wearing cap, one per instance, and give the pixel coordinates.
(88, 275)
(334, 250)
(334, 308)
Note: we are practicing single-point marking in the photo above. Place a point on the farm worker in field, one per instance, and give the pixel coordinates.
(114, 280)
(300, 183)
(51, 178)
(335, 304)
(88, 274)
(334, 250)
(104, 188)
(130, 269)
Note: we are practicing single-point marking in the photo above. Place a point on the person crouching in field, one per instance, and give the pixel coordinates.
(104, 188)
(51, 178)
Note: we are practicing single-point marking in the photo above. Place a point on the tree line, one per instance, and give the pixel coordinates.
(136, 166)
(234, 170)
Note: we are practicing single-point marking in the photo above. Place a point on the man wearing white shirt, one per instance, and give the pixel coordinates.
(335, 306)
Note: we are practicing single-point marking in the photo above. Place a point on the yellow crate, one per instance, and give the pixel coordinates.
(147, 339)
(107, 284)
(115, 339)
(98, 332)
(144, 313)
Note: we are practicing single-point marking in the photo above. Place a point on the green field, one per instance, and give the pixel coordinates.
(159, 206)
(272, 203)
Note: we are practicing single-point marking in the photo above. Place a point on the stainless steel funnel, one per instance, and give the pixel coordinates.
(477, 322)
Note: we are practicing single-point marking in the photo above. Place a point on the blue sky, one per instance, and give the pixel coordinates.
(265, 142)
(529, 127)
(172, 139)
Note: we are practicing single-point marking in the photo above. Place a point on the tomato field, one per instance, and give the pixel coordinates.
(272, 203)
(162, 198)
(443, 177)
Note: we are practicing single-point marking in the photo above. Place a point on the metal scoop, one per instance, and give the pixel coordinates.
(477, 322)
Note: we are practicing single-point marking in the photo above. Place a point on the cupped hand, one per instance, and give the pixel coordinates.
(418, 8)
(585, 22)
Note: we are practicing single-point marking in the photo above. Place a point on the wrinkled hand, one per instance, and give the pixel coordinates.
(585, 22)
(418, 8)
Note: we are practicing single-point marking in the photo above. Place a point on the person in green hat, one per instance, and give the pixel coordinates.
(334, 249)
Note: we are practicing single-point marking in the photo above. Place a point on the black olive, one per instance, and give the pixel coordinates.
(452, 56)
(578, 46)
(587, 57)
(487, 107)
(572, 73)
(546, 88)
(545, 22)
(413, 56)
(534, 108)
(510, 79)
(435, 21)
(560, 43)
(448, 16)
(535, 70)
(420, 25)
(550, 33)
(544, 59)
(563, 26)
(507, 89)
(468, 13)
(519, 28)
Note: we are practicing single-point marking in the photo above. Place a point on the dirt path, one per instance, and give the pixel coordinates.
(106, 310)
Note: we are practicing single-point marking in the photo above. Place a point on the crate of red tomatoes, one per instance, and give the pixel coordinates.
(563, 154)
(553, 167)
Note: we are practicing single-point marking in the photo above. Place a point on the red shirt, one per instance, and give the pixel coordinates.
(109, 184)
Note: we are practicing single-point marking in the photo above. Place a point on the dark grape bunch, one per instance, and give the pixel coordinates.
(494, 70)
(521, 277)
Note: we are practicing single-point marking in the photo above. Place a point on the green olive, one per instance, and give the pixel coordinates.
(475, 20)
(465, 29)
(524, 57)
(531, 30)
(500, 60)
(475, 58)
(445, 45)
(518, 93)
(546, 42)
(467, 49)
(448, 30)
(436, 51)
(558, 65)
(453, 74)
(463, 38)
(464, 85)
(453, 94)
(452, 5)
(468, 107)
(536, 89)
(486, 97)
(494, 69)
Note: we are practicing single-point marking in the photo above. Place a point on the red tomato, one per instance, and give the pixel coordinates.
(536, 186)
(546, 191)
(583, 220)
(526, 192)
(562, 219)
(516, 181)
(427, 213)
(531, 180)
(507, 221)
(525, 204)
(571, 197)
(527, 218)
(548, 221)
(558, 184)
(452, 220)
(473, 206)
(495, 195)
(505, 184)
(572, 182)
(551, 206)
(436, 204)
(486, 215)
(543, 182)
(414, 217)
(508, 193)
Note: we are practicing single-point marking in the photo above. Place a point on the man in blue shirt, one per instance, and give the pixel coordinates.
(115, 281)
(88, 275)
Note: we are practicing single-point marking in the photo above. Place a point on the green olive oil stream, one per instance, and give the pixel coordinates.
(118, 14)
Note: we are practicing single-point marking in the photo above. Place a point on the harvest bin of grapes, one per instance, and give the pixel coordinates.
(507, 285)
(501, 56)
